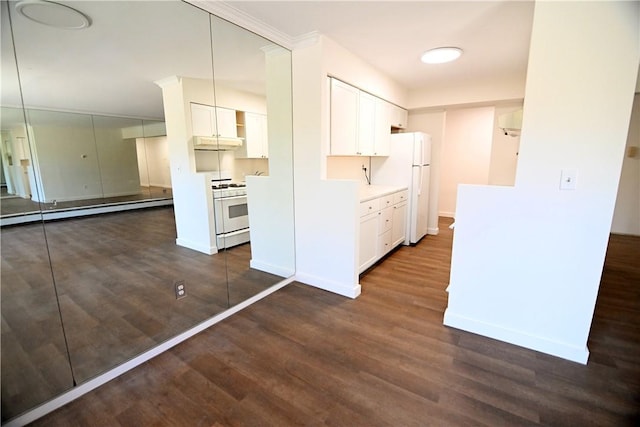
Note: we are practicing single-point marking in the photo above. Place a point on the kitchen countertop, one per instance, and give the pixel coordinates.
(368, 192)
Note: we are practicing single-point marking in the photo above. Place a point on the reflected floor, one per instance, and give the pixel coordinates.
(115, 277)
(14, 205)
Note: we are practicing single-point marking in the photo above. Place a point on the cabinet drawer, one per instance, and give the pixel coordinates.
(384, 244)
(384, 220)
(386, 201)
(400, 196)
(369, 206)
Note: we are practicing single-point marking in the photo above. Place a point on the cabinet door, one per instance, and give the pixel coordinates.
(399, 117)
(382, 140)
(202, 120)
(225, 123)
(366, 124)
(384, 243)
(368, 241)
(255, 144)
(344, 118)
(399, 224)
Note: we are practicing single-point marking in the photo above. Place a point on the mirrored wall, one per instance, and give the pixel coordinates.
(114, 132)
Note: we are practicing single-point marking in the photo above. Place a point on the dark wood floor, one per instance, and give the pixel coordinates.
(114, 275)
(303, 356)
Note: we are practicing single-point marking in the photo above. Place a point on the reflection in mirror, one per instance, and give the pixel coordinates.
(252, 79)
(116, 273)
(35, 364)
(110, 114)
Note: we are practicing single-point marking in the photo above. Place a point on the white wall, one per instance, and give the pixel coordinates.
(626, 217)
(432, 123)
(504, 151)
(508, 88)
(348, 167)
(67, 167)
(527, 260)
(326, 211)
(153, 161)
(192, 201)
(271, 210)
(466, 153)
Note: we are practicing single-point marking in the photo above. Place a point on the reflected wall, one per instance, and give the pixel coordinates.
(81, 295)
(35, 359)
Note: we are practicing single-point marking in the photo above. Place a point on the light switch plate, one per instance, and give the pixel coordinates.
(568, 178)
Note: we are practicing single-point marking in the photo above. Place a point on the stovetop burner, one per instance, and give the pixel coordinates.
(230, 185)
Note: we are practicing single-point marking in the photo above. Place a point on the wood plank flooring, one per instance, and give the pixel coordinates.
(303, 356)
(114, 277)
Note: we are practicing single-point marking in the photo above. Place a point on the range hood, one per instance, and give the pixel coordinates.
(216, 143)
(511, 123)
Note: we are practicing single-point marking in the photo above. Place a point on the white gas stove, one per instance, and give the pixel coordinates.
(230, 210)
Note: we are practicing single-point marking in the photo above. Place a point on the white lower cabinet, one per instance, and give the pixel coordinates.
(382, 227)
(368, 240)
(399, 230)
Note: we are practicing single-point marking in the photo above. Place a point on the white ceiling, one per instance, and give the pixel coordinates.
(111, 66)
(392, 35)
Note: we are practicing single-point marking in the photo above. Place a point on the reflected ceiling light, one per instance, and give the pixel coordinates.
(53, 14)
(440, 55)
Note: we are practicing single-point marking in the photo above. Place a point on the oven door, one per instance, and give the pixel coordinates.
(231, 214)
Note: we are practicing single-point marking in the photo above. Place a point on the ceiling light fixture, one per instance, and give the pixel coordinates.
(53, 14)
(440, 55)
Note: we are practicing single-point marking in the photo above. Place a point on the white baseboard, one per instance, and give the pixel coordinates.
(433, 231)
(447, 214)
(209, 250)
(554, 348)
(270, 268)
(48, 215)
(351, 291)
(96, 382)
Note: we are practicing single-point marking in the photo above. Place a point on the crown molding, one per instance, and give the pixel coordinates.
(306, 39)
(229, 13)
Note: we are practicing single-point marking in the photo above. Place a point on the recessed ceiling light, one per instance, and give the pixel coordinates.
(441, 55)
(53, 14)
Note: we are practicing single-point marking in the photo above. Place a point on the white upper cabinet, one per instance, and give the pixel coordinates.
(226, 122)
(207, 120)
(256, 144)
(382, 141)
(344, 118)
(366, 124)
(399, 117)
(360, 122)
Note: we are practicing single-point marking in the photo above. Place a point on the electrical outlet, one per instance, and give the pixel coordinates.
(568, 179)
(180, 288)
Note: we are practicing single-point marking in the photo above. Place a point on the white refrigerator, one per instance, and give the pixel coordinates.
(408, 165)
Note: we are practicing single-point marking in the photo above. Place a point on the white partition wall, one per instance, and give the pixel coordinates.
(527, 260)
